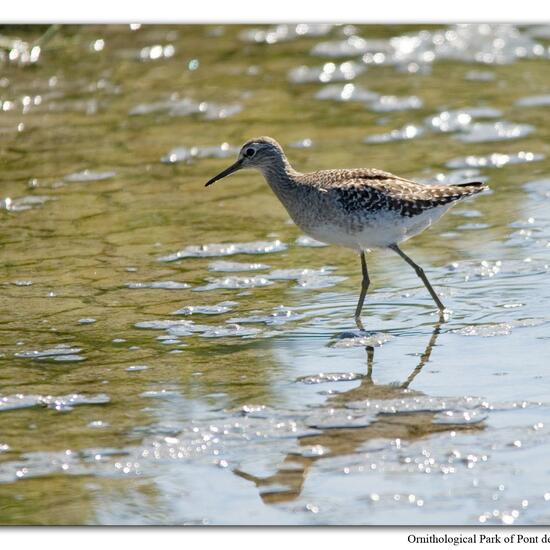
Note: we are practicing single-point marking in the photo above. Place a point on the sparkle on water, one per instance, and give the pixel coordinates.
(179, 355)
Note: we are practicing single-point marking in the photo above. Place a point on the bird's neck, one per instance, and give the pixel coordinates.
(281, 177)
(286, 184)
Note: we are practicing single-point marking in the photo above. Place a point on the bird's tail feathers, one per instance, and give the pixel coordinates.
(471, 188)
(472, 184)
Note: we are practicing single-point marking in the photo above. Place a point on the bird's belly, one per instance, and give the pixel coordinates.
(377, 231)
(332, 234)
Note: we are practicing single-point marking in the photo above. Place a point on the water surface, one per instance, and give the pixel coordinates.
(171, 354)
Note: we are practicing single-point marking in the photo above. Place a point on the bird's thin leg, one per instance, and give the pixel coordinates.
(421, 274)
(364, 286)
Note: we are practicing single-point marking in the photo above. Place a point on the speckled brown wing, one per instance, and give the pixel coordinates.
(373, 190)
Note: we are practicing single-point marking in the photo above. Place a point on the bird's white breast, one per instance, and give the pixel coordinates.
(376, 231)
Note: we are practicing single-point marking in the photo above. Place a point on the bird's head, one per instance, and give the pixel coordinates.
(257, 153)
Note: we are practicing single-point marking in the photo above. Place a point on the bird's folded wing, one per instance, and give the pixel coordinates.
(383, 191)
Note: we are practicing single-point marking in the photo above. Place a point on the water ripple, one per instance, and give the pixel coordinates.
(459, 119)
(497, 329)
(231, 267)
(307, 278)
(229, 249)
(481, 43)
(59, 403)
(185, 154)
(185, 107)
(61, 352)
(494, 160)
(222, 307)
(20, 204)
(89, 175)
(346, 92)
(279, 316)
(234, 282)
(284, 33)
(391, 103)
(324, 377)
(328, 72)
(481, 132)
(410, 131)
(534, 101)
(304, 240)
(164, 285)
(359, 339)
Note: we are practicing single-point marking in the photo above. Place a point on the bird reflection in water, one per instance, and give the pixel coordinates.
(287, 483)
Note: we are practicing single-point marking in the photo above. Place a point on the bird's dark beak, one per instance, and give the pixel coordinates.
(233, 168)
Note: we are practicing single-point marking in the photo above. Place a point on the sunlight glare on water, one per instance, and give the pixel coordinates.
(179, 355)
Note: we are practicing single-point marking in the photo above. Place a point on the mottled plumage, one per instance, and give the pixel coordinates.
(369, 189)
(358, 208)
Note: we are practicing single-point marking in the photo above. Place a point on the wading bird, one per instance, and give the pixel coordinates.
(360, 208)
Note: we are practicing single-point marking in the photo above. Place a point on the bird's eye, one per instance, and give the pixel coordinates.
(249, 152)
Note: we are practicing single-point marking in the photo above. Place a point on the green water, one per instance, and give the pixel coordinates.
(441, 423)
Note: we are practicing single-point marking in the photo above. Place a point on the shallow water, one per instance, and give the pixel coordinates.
(171, 354)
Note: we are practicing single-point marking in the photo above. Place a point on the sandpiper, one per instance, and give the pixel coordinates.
(360, 208)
